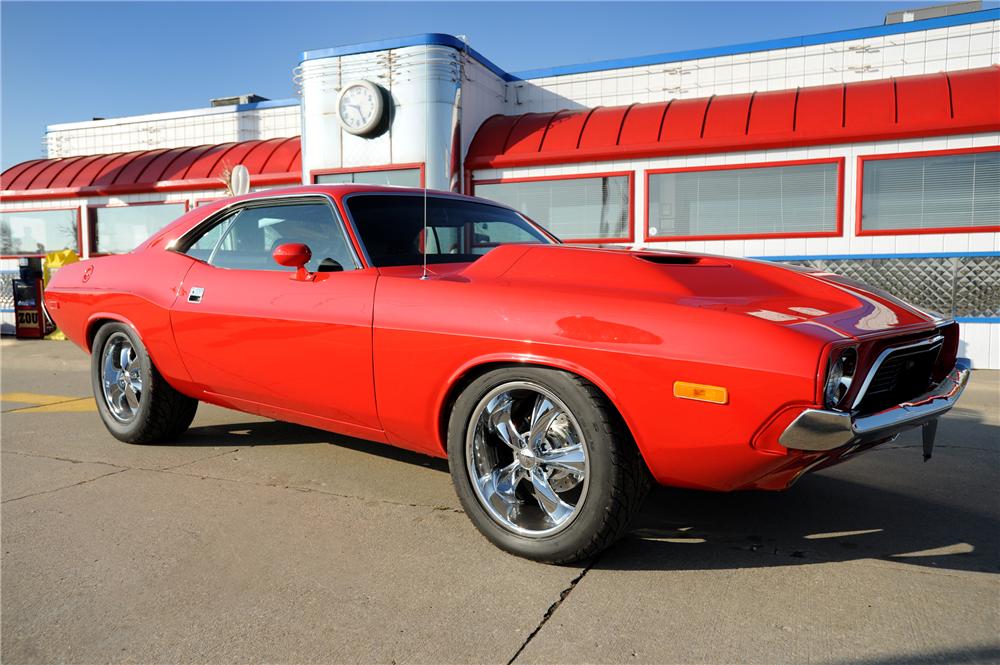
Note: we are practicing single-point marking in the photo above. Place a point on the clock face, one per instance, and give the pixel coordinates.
(360, 107)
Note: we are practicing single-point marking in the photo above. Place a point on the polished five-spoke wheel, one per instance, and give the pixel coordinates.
(135, 402)
(121, 377)
(543, 464)
(528, 457)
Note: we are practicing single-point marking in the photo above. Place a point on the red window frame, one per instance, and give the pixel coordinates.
(79, 228)
(92, 217)
(860, 193)
(576, 176)
(837, 233)
(201, 202)
(368, 169)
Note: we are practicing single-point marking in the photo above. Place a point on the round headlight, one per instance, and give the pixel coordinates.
(839, 376)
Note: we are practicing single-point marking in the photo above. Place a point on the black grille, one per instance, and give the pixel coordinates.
(903, 375)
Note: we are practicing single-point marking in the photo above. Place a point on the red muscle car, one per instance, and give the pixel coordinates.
(557, 379)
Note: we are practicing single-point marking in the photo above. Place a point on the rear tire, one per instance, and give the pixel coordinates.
(543, 464)
(136, 403)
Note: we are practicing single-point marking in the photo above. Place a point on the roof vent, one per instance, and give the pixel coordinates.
(937, 11)
(238, 99)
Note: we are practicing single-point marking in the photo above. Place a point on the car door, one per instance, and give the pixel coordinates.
(256, 337)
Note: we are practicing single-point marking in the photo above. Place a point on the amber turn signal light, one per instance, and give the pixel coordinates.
(701, 392)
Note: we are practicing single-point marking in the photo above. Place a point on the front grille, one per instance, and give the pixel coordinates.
(902, 375)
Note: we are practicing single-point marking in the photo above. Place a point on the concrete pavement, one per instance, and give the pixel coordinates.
(251, 541)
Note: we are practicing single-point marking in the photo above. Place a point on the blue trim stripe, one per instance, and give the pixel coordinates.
(835, 257)
(269, 104)
(6, 310)
(441, 39)
(426, 39)
(768, 45)
(972, 319)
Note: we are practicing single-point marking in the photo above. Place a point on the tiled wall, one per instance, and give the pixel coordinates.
(919, 52)
(172, 130)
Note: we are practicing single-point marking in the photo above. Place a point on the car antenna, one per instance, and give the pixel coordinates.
(423, 178)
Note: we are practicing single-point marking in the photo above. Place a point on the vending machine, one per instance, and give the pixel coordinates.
(30, 321)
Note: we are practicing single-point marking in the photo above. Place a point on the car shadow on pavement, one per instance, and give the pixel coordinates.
(276, 433)
(823, 519)
(827, 517)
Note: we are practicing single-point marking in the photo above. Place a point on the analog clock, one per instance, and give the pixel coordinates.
(360, 107)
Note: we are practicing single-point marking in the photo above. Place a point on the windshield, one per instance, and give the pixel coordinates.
(391, 228)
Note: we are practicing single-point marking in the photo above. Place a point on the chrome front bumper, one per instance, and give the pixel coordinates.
(820, 430)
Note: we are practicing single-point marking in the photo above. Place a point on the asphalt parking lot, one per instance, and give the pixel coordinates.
(255, 541)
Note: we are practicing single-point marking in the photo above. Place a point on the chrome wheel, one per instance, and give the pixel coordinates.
(121, 377)
(527, 459)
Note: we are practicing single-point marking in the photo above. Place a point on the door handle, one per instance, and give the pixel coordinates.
(195, 294)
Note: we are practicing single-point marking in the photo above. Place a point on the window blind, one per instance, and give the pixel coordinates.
(775, 200)
(935, 192)
(573, 208)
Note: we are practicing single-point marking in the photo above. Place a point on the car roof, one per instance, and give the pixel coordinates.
(340, 190)
(337, 191)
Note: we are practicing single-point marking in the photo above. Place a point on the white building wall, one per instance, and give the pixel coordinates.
(222, 124)
(483, 95)
(919, 52)
(422, 83)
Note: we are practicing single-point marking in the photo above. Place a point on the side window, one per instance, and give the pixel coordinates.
(202, 248)
(247, 240)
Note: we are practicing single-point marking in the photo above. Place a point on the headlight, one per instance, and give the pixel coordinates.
(839, 375)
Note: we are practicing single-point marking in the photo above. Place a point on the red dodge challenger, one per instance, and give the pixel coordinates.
(558, 380)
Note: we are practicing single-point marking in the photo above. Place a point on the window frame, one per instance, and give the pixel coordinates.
(836, 233)
(860, 193)
(92, 219)
(79, 229)
(315, 173)
(182, 243)
(572, 176)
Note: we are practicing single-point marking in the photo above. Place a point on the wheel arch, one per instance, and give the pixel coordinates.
(480, 366)
(99, 319)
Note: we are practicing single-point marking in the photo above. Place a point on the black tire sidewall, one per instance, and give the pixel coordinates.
(601, 451)
(123, 431)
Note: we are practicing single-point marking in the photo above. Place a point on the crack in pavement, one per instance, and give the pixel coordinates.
(59, 489)
(176, 470)
(563, 595)
(300, 488)
(62, 459)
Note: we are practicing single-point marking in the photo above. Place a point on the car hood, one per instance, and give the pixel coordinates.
(779, 294)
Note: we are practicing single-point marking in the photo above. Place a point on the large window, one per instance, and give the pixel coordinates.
(944, 192)
(39, 231)
(246, 239)
(407, 177)
(120, 229)
(457, 231)
(588, 208)
(790, 199)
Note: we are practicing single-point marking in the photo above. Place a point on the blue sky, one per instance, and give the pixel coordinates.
(64, 62)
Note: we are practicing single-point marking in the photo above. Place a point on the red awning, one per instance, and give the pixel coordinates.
(964, 102)
(270, 162)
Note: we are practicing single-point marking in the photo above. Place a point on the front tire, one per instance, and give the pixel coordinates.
(543, 464)
(136, 403)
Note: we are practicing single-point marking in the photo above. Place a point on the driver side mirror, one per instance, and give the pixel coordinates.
(294, 255)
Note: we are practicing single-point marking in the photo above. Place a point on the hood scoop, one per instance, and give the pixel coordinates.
(680, 260)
